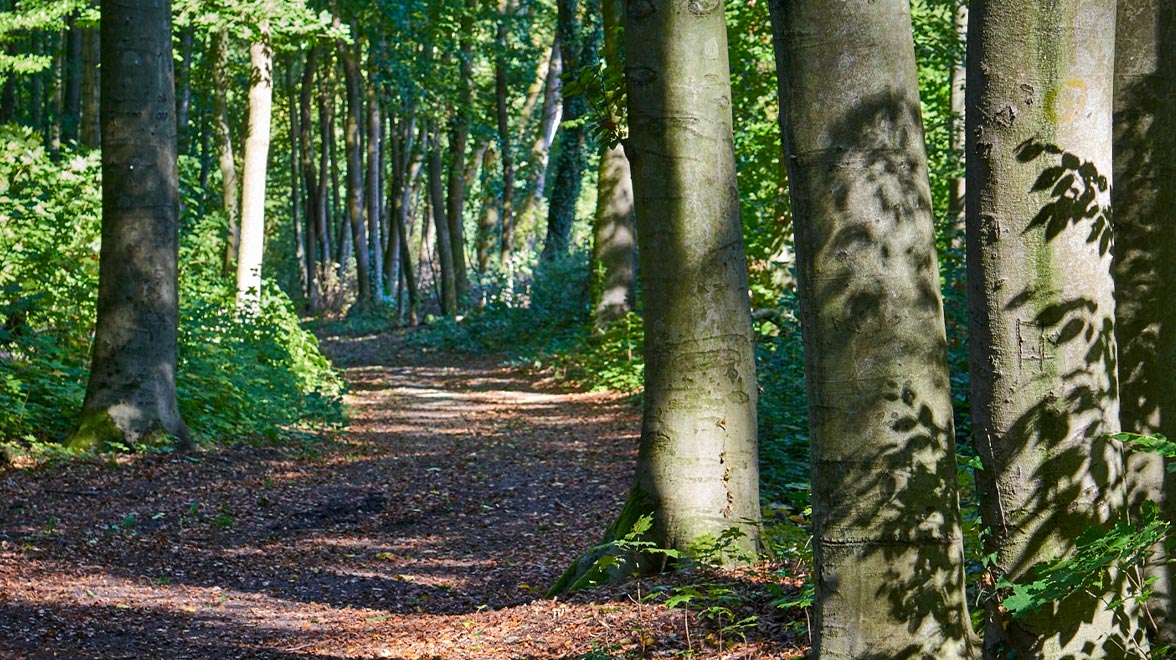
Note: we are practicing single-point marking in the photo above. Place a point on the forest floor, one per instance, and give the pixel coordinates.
(430, 529)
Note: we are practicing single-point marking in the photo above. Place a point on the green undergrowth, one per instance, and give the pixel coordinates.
(256, 379)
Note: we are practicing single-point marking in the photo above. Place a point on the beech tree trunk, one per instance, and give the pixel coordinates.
(1041, 301)
(224, 147)
(504, 140)
(697, 465)
(1144, 200)
(91, 96)
(548, 123)
(375, 189)
(440, 222)
(131, 394)
(887, 542)
(488, 218)
(71, 118)
(257, 142)
(458, 142)
(315, 210)
(353, 81)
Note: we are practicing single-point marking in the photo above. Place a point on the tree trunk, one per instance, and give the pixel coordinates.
(506, 247)
(458, 139)
(1041, 302)
(955, 202)
(697, 468)
(353, 80)
(315, 210)
(488, 219)
(440, 222)
(131, 395)
(548, 123)
(56, 93)
(887, 543)
(257, 142)
(578, 46)
(91, 81)
(614, 236)
(375, 186)
(296, 201)
(1144, 200)
(184, 88)
(224, 147)
(71, 118)
(327, 177)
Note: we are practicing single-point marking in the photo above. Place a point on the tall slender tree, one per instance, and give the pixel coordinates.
(253, 182)
(1042, 309)
(887, 540)
(131, 394)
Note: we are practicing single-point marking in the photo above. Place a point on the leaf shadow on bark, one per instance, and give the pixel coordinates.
(1144, 266)
(884, 462)
(1075, 470)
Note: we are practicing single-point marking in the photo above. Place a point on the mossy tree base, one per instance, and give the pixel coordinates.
(594, 567)
(101, 429)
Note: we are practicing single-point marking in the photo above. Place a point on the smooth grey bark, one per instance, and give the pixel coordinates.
(255, 163)
(955, 203)
(184, 88)
(131, 394)
(230, 194)
(887, 542)
(1042, 309)
(353, 82)
(458, 142)
(1144, 199)
(444, 244)
(375, 187)
(697, 466)
(507, 217)
(614, 244)
(545, 136)
(315, 210)
(297, 203)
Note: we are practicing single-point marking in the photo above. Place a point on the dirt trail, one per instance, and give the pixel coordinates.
(430, 530)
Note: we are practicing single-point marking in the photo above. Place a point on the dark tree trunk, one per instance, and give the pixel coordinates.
(71, 119)
(91, 89)
(131, 395)
(310, 183)
(230, 192)
(353, 81)
(184, 89)
(375, 188)
(504, 141)
(444, 242)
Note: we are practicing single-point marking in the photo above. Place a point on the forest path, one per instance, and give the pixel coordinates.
(429, 530)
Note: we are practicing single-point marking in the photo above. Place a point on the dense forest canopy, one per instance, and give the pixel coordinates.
(882, 326)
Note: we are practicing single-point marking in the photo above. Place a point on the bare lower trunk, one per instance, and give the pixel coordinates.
(131, 395)
(887, 542)
(375, 188)
(1042, 346)
(355, 188)
(441, 224)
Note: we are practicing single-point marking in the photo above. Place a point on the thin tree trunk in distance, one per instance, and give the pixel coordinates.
(440, 222)
(614, 242)
(1144, 199)
(224, 147)
(184, 88)
(887, 540)
(91, 96)
(459, 137)
(488, 219)
(955, 203)
(375, 188)
(71, 118)
(131, 394)
(353, 81)
(548, 124)
(257, 142)
(506, 247)
(1042, 310)
(315, 210)
(296, 200)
